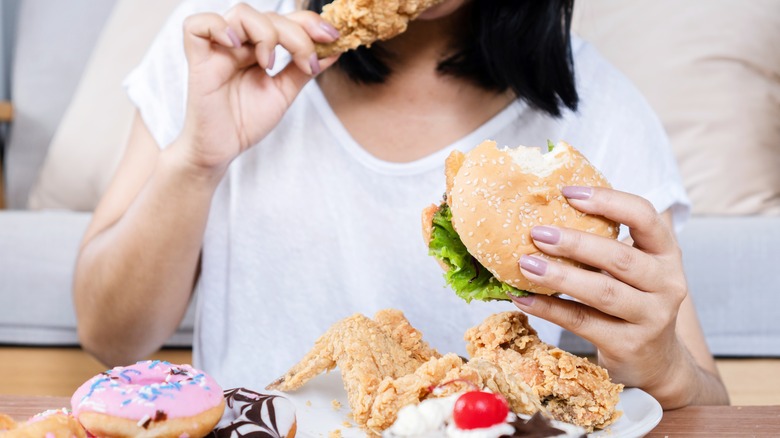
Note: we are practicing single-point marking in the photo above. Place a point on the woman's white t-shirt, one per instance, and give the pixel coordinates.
(307, 227)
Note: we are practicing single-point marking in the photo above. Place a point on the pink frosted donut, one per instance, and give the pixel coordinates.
(149, 399)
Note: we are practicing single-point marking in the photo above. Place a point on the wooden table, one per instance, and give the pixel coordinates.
(696, 421)
(720, 421)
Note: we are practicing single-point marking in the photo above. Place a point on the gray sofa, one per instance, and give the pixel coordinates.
(731, 262)
(47, 45)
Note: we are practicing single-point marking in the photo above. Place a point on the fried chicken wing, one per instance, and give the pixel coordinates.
(367, 352)
(570, 388)
(394, 323)
(362, 22)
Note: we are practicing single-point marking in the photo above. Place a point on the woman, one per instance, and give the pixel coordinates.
(290, 203)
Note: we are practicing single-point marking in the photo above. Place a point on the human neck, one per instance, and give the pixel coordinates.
(434, 110)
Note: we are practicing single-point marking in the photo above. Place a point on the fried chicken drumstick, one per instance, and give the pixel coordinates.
(362, 22)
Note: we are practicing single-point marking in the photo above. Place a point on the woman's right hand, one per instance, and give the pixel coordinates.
(232, 102)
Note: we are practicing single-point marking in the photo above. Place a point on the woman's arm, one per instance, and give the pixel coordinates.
(139, 258)
(636, 310)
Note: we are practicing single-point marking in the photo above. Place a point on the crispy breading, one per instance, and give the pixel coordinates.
(570, 388)
(394, 323)
(366, 352)
(521, 397)
(386, 365)
(362, 22)
(393, 394)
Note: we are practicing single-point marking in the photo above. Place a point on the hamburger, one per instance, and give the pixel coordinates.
(494, 196)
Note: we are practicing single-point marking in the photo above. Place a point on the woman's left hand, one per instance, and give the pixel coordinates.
(629, 309)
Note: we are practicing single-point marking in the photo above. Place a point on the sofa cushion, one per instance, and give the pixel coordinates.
(711, 70)
(90, 138)
(37, 257)
(731, 265)
(50, 52)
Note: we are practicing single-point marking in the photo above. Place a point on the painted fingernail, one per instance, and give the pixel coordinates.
(271, 60)
(525, 301)
(330, 30)
(314, 62)
(544, 234)
(534, 265)
(577, 192)
(233, 37)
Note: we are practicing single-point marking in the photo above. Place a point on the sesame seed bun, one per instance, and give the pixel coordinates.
(497, 195)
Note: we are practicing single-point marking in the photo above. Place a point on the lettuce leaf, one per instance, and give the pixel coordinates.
(467, 277)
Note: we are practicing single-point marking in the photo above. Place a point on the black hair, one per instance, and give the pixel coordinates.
(518, 45)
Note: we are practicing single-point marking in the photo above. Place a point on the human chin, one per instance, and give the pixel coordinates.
(443, 9)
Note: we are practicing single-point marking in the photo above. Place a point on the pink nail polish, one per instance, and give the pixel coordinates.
(314, 62)
(271, 60)
(577, 192)
(544, 234)
(233, 37)
(526, 301)
(534, 265)
(330, 30)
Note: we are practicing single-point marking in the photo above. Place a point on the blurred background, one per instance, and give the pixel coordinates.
(709, 68)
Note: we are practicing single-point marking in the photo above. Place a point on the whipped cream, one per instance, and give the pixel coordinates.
(432, 418)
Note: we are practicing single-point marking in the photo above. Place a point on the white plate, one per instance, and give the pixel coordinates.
(318, 413)
(641, 413)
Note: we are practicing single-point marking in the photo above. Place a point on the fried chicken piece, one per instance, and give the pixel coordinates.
(362, 22)
(570, 388)
(394, 323)
(367, 352)
(393, 394)
(521, 397)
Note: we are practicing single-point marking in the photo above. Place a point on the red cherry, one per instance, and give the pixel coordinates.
(477, 409)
